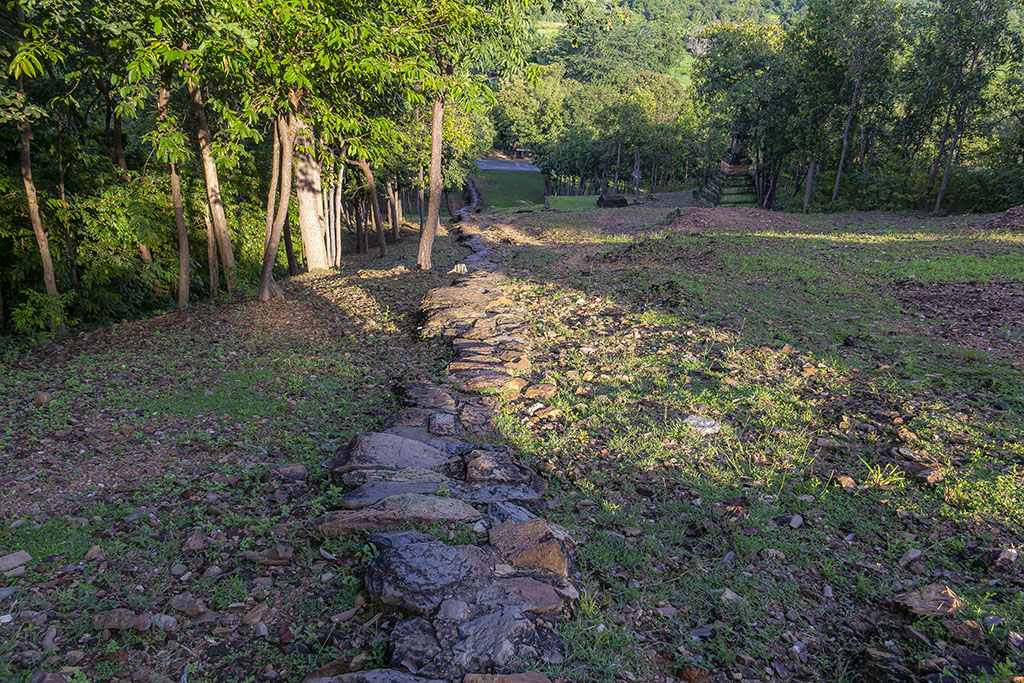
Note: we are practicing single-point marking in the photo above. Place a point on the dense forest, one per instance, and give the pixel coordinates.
(158, 152)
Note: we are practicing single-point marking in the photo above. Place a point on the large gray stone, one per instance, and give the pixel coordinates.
(387, 450)
(400, 510)
(413, 644)
(524, 593)
(494, 640)
(415, 578)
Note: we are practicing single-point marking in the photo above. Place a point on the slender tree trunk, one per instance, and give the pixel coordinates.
(846, 138)
(211, 252)
(419, 197)
(275, 179)
(378, 220)
(618, 160)
(942, 145)
(213, 194)
(289, 248)
(49, 279)
(636, 172)
(429, 230)
(339, 201)
(959, 121)
(268, 288)
(307, 194)
(122, 162)
(163, 105)
(807, 188)
(396, 219)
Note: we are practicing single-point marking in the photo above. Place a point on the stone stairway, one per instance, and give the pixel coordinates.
(482, 612)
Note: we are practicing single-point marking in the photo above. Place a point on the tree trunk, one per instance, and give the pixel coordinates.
(419, 196)
(163, 104)
(378, 220)
(307, 194)
(289, 248)
(636, 172)
(618, 160)
(213, 195)
(211, 252)
(846, 138)
(275, 179)
(429, 230)
(959, 121)
(807, 188)
(268, 288)
(122, 162)
(396, 213)
(49, 279)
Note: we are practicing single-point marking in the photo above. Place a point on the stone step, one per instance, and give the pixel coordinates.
(395, 511)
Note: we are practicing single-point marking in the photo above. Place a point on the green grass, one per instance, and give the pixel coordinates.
(509, 189)
(672, 324)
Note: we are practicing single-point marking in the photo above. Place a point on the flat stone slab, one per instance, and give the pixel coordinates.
(485, 380)
(407, 475)
(495, 467)
(376, 491)
(425, 395)
(528, 595)
(499, 494)
(387, 450)
(704, 426)
(401, 510)
(374, 676)
(416, 577)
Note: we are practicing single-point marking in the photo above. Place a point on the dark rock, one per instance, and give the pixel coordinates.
(395, 539)
(415, 577)
(291, 472)
(612, 201)
(496, 467)
(503, 512)
(881, 666)
(413, 644)
(119, 619)
(409, 417)
(495, 640)
(526, 594)
(499, 494)
(425, 395)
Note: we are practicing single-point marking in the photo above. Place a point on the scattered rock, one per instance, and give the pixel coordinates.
(42, 398)
(274, 556)
(185, 603)
(933, 600)
(16, 559)
(44, 677)
(967, 631)
(196, 541)
(506, 678)
(165, 622)
(118, 619)
(291, 472)
(704, 426)
(998, 558)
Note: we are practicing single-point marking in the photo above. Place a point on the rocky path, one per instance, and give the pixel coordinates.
(480, 611)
